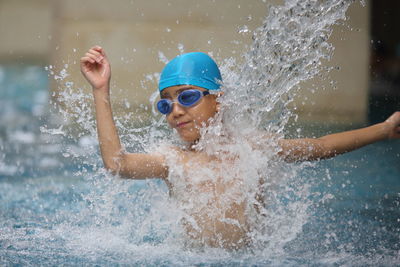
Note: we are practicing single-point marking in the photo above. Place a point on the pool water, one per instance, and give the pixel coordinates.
(59, 206)
(57, 209)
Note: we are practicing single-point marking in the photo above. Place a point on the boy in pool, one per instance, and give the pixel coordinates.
(188, 105)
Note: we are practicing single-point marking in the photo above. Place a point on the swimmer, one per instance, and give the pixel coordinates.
(189, 100)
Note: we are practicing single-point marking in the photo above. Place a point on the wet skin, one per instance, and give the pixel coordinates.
(216, 200)
(189, 120)
(211, 228)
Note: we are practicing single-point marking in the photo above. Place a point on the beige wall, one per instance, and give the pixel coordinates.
(347, 102)
(133, 32)
(25, 30)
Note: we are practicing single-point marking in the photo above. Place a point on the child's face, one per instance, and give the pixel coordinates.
(188, 120)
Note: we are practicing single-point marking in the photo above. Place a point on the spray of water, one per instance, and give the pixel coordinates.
(241, 143)
(262, 200)
(287, 49)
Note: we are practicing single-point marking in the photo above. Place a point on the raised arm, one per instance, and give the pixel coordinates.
(334, 144)
(96, 69)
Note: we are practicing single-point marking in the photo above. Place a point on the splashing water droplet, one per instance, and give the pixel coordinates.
(243, 29)
(181, 48)
(117, 214)
(162, 57)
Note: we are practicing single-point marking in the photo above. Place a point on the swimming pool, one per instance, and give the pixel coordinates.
(58, 207)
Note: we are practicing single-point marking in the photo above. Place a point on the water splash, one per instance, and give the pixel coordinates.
(287, 49)
(235, 135)
(116, 221)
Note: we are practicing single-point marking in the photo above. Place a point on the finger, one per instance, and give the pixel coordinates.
(94, 57)
(94, 52)
(98, 56)
(97, 48)
(100, 50)
(87, 59)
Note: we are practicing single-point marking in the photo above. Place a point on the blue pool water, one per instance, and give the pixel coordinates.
(59, 207)
(56, 208)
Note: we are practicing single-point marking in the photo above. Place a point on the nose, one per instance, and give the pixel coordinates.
(177, 110)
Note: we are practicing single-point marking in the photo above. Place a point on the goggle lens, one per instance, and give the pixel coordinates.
(164, 106)
(189, 97)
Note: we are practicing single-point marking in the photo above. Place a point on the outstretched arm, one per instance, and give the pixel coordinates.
(96, 69)
(334, 144)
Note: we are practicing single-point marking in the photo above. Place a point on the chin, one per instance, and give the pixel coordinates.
(189, 137)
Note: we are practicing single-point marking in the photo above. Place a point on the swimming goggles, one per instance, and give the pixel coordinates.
(186, 98)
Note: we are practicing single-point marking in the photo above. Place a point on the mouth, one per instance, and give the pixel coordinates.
(182, 124)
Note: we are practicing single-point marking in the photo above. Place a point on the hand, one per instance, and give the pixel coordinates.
(96, 68)
(394, 125)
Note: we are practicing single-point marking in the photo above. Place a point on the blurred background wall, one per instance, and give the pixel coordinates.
(134, 32)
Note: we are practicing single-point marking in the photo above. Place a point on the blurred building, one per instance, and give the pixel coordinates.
(384, 94)
(138, 34)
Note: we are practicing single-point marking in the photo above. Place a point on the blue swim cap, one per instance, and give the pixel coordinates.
(194, 68)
